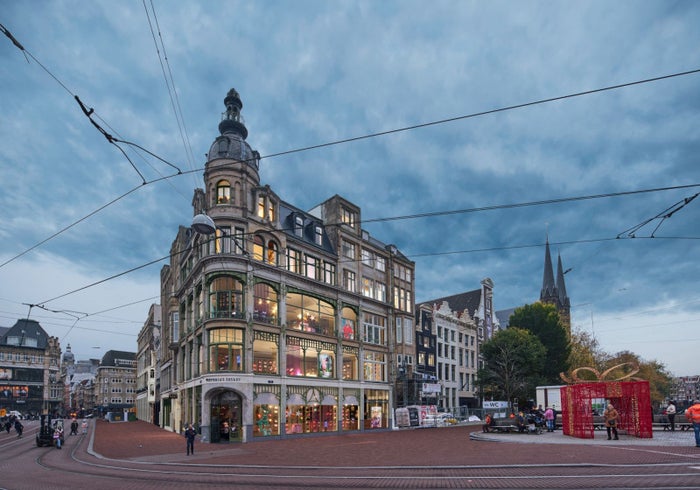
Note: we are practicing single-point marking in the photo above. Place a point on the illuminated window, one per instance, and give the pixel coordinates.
(223, 192)
(226, 349)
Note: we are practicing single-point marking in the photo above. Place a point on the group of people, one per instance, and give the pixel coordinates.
(13, 422)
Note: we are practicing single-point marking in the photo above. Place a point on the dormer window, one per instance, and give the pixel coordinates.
(223, 192)
(298, 226)
(318, 235)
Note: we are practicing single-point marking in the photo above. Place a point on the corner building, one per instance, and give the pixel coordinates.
(280, 322)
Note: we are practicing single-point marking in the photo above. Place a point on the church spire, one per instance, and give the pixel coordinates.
(548, 286)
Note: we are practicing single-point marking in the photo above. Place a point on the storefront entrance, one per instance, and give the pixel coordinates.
(226, 417)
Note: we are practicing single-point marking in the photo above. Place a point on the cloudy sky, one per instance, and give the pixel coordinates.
(79, 224)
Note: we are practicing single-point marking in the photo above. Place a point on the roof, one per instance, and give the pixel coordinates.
(469, 301)
(25, 333)
(112, 358)
(504, 316)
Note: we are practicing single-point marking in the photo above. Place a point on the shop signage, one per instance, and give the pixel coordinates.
(222, 379)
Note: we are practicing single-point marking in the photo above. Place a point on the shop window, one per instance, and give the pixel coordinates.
(226, 349)
(310, 314)
(266, 304)
(226, 298)
(376, 409)
(265, 353)
(351, 362)
(310, 358)
(349, 322)
(266, 420)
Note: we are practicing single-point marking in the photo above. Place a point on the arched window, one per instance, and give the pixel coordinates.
(271, 253)
(226, 298)
(263, 252)
(223, 192)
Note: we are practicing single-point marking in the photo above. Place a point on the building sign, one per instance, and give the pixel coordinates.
(431, 388)
(222, 379)
(5, 374)
(492, 404)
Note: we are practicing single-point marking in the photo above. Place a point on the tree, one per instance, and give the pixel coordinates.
(586, 352)
(543, 321)
(660, 380)
(513, 362)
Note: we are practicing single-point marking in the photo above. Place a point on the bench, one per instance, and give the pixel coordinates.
(661, 421)
(508, 425)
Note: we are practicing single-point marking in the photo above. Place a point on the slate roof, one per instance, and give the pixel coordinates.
(28, 331)
(468, 300)
(111, 356)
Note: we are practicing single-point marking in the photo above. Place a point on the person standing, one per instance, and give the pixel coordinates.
(693, 415)
(671, 414)
(190, 434)
(549, 418)
(610, 415)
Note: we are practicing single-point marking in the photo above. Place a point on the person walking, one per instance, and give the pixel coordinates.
(671, 414)
(190, 434)
(84, 426)
(611, 416)
(693, 415)
(18, 428)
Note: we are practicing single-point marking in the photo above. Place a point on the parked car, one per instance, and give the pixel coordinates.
(16, 414)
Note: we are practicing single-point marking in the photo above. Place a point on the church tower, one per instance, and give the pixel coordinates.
(554, 293)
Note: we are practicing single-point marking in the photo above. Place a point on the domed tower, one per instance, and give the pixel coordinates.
(68, 362)
(231, 171)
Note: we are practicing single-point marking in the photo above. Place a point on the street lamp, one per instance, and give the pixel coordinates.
(203, 224)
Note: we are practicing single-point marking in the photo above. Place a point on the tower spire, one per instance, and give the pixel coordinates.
(548, 286)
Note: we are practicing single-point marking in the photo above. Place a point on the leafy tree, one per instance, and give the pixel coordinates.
(543, 321)
(513, 362)
(586, 352)
(660, 380)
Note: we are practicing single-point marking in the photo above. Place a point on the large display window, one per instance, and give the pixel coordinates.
(226, 351)
(310, 358)
(266, 420)
(265, 309)
(226, 298)
(265, 353)
(351, 363)
(376, 409)
(310, 314)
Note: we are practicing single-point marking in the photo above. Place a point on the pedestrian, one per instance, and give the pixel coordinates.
(18, 428)
(57, 438)
(671, 414)
(84, 426)
(74, 427)
(693, 415)
(190, 434)
(549, 417)
(611, 418)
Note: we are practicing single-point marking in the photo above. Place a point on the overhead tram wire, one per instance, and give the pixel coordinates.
(170, 84)
(346, 140)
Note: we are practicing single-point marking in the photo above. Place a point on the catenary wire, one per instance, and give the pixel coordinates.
(357, 138)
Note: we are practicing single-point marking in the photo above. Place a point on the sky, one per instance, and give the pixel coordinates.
(482, 124)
